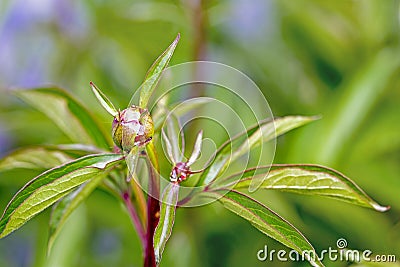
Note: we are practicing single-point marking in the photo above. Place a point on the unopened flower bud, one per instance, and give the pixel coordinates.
(132, 127)
(180, 172)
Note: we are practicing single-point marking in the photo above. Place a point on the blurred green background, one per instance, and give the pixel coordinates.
(339, 59)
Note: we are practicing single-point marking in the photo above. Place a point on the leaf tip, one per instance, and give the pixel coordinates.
(178, 37)
(175, 42)
(104, 101)
(380, 208)
(254, 185)
(93, 87)
(316, 117)
(49, 247)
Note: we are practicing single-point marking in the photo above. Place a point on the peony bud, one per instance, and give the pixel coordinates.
(180, 172)
(132, 127)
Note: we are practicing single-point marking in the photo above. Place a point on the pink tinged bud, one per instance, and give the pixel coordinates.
(132, 127)
(180, 172)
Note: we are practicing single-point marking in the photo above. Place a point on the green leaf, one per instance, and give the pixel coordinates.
(288, 123)
(69, 115)
(196, 148)
(64, 208)
(44, 157)
(36, 158)
(163, 231)
(179, 110)
(269, 223)
(50, 186)
(174, 134)
(104, 101)
(77, 150)
(248, 140)
(154, 73)
(306, 179)
(168, 147)
(154, 170)
(132, 159)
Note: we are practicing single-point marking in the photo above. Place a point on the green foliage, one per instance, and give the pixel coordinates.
(34, 158)
(88, 172)
(70, 116)
(154, 73)
(334, 69)
(167, 217)
(63, 208)
(104, 101)
(248, 140)
(50, 186)
(308, 180)
(268, 222)
(45, 156)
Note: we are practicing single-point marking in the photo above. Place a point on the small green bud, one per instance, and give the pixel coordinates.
(132, 127)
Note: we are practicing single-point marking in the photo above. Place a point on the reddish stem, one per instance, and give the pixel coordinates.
(135, 219)
(153, 215)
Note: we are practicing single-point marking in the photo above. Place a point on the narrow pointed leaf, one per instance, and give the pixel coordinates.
(269, 223)
(152, 155)
(44, 157)
(288, 123)
(34, 158)
(196, 149)
(180, 109)
(77, 150)
(163, 231)
(154, 170)
(69, 115)
(168, 147)
(173, 131)
(104, 101)
(248, 140)
(50, 186)
(154, 73)
(131, 161)
(187, 106)
(64, 208)
(308, 180)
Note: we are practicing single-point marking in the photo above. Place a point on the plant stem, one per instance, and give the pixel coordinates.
(153, 209)
(153, 217)
(135, 219)
(140, 202)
